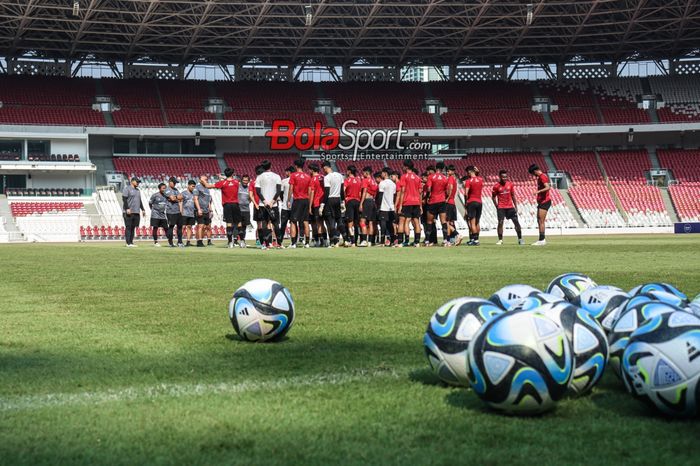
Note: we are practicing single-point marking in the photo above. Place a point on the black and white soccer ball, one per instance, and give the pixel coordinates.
(569, 285)
(629, 321)
(661, 364)
(603, 303)
(261, 310)
(588, 343)
(535, 300)
(520, 362)
(507, 296)
(449, 333)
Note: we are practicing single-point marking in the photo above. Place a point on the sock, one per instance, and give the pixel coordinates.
(363, 237)
(520, 234)
(373, 240)
(416, 237)
(541, 236)
(500, 237)
(229, 234)
(445, 236)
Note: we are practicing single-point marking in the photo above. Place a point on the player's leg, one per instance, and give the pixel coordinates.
(172, 223)
(429, 225)
(541, 222)
(518, 230)
(499, 229)
(416, 231)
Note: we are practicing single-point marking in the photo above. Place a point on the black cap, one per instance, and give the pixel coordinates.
(136, 179)
(172, 179)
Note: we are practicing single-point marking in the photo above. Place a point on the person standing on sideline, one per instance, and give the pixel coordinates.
(285, 206)
(300, 183)
(158, 204)
(172, 211)
(544, 200)
(133, 209)
(385, 200)
(229, 199)
(188, 211)
(473, 188)
(203, 203)
(268, 186)
(244, 205)
(503, 196)
(333, 198)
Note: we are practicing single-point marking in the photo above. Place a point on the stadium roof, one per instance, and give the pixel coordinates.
(341, 32)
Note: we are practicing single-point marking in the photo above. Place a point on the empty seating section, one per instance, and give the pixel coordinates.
(183, 94)
(244, 164)
(22, 209)
(35, 157)
(589, 191)
(492, 118)
(132, 93)
(44, 91)
(147, 117)
(622, 115)
(160, 168)
(368, 119)
(685, 168)
(681, 95)
(575, 102)
(268, 116)
(642, 203)
(617, 91)
(375, 165)
(44, 192)
(182, 117)
(51, 116)
(10, 156)
(278, 96)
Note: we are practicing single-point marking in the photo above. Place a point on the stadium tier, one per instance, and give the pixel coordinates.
(22, 209)
(160, 168)
(685, 170)
(244, 164)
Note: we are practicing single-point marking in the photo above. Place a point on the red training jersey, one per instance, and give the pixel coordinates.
(545, 196)
(452, 181)
(473, 187)
(371, 186)
(300, 183)
(504, 192)
(229, 191)
(252, 193)
(411, 189)
(353, 188)
(317, 186)
(437, 184)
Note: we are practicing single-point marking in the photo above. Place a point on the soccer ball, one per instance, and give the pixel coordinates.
(603, 303)
(666, 297)
(535, 300)
(629, 321)
(588, 342)
(661, 364)
(665, 287)
(507, 296)
(448, 335)
(570, 285)
(261, 310)
(694, 306)
(520, 362)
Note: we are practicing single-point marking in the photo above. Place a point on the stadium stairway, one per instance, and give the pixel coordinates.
(668, 203)
(612, 192)
(109, 121)
(163, 112)
(13, 233)
(651, 150)
(548, 118)
(598, 111)
(550, 163)
(572, 207)
(438, 120)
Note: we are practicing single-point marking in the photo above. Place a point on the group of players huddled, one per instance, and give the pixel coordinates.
(326, 209)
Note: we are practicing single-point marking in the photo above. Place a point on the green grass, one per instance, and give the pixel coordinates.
(117, 356)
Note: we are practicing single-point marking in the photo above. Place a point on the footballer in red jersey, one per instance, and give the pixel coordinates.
(451, 207)
(229, 200)
(300, 184)
(437, 191)
(544, 200)
(410, 202)
(473, 189)
(368, 208)
(503, 196)
(353, 196)
(317, 193)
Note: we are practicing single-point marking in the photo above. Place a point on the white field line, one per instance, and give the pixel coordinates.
(52, 400)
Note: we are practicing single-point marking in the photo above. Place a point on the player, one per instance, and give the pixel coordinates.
(268, 186)
(187, 211)
(368, 208)
(172, 211)
(256, 206)
(158, 203)
(410, 203)
(353, 190)
(544, 201)
(387, 212)
(333, 200)
(473, 188)
(285, 206)
(437, 193)
(300, 184)
(316, 195)
(398, 217)
(451, 208)
(133, 205)
(503, 196)
(204, 205)
(244, 206)
(229, 199)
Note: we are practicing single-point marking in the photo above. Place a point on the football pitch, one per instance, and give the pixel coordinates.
(111, 355)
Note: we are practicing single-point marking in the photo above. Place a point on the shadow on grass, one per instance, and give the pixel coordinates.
(237, 338)
(466, 399)
(426, 377)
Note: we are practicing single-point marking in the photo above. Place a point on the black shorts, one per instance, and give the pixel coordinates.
(300, 210)
(411, 211)
(509, 214)
(188, 221)
(451, 211)
(352, 211)
(204, 219)
(474, 210)
(284, 218)
(369, 210)
(332, 209)
(174, 220)
(232, 213)
(316, 215)
(159, 223)
(245, 218)
(387, 216)
(545, 205)
(437, 208)
(266, 214)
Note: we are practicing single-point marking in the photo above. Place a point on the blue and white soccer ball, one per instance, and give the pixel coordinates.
(569, 285)
(509, 295)
(630, 320)
(657, 286)
(588, 342)
(449, 333)
(520, 362)
(603, 303)
(694, 306)
(261, 310)
(535, 300)
(661, 364)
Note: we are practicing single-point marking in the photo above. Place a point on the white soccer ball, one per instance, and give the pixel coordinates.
(261, 310)
(569, 285)
(507, 296)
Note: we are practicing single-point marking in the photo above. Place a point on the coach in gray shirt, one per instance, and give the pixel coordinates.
(133, 207)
